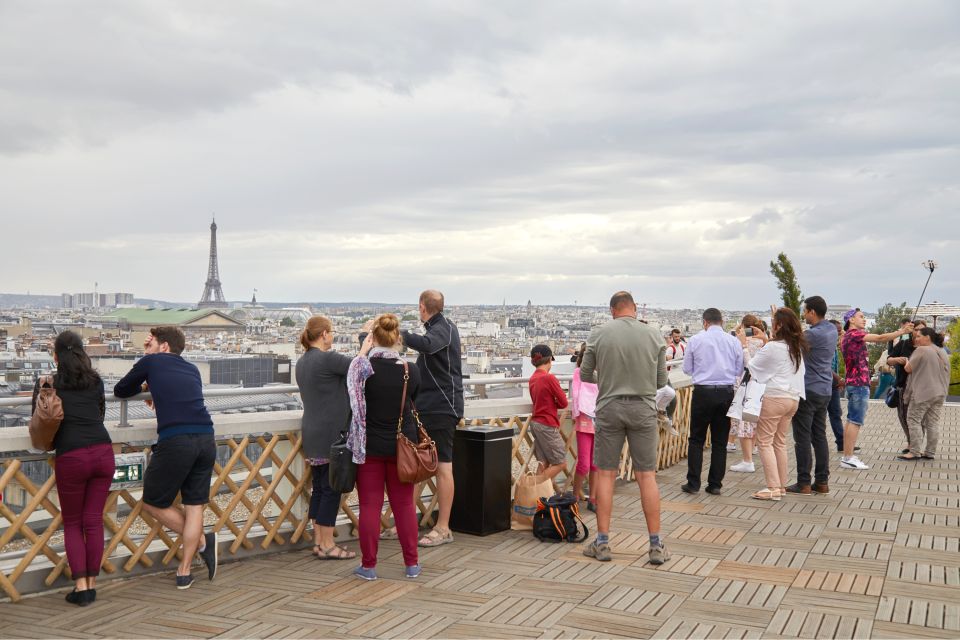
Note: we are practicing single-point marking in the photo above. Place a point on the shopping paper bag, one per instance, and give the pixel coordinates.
(530, 487)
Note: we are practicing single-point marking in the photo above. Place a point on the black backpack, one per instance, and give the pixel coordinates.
(556, 519)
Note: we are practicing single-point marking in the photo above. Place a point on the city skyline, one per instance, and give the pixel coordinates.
(490, 150)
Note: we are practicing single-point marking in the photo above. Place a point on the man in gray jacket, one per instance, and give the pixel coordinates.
(440, 400)
(625, 357)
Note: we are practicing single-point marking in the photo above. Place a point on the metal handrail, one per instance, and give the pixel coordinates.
(21, 401)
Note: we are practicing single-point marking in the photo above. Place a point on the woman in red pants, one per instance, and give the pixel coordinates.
(84, 463)
(376, 382)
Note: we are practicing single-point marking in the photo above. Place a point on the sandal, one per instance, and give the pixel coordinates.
(335, 553)
(389, 534)
(767, 494)
(436, 538)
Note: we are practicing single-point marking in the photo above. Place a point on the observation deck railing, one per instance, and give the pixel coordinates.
(258, 505)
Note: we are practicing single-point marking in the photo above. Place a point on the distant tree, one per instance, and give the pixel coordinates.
(287, 322)
(782, 270)
(888, 319)
(953, 344)
(410, 317)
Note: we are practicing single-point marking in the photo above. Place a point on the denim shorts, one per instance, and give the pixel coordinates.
(857, 404)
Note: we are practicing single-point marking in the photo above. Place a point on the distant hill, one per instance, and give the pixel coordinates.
(12, 300)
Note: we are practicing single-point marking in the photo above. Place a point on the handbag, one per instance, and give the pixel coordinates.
(343, 470)
(415, 462)
(736, 407)
(753, 401)
(892, 399)
(47, 416)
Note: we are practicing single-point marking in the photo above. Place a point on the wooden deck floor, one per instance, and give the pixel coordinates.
(876, 558)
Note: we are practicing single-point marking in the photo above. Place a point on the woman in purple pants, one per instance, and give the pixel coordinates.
(84, 463)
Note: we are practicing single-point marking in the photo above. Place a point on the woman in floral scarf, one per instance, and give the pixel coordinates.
(375, 383)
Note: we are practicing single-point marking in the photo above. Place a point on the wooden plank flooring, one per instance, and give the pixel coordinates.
(878, 557)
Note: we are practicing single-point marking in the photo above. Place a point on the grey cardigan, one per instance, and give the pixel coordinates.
(322, 378)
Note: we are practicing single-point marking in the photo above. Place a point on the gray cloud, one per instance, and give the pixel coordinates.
(364, 150)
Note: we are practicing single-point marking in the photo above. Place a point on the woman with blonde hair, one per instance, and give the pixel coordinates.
(756, 338)
(376, 382)
(778, 365)
(322, 378)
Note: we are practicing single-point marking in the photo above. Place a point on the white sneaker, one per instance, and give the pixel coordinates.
(731, 446)
(853, 462)
(743, 467)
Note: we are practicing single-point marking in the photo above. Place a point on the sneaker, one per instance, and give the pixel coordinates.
(365, 573)
(744, 467)
(731, 446)
(686, 488)
(414, 571)
(714, 491)
(801, 489)
(853, 462)
(210, 554)
(184, 582)
(659, 555)
(592, 506)
(599, 551)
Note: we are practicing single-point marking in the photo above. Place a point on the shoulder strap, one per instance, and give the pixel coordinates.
(586, 531)
(403, 398)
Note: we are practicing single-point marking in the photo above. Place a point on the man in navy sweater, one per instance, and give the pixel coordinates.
(182, 460)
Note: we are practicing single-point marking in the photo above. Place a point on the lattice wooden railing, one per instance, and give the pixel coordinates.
(254, 503)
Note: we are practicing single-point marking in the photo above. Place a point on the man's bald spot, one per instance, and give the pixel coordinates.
(432, 301)
(622, 301)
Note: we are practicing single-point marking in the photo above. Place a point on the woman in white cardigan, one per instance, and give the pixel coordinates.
(778, 365)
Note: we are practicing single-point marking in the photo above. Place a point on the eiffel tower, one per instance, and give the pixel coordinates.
(212, 292)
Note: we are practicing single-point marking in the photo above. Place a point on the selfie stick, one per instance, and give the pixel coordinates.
(926, 264)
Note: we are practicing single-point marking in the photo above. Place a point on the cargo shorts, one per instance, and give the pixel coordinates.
(630, 418)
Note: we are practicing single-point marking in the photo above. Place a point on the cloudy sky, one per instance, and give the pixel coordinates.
(553, 151)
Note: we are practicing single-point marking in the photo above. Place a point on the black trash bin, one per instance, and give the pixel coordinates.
(482, 472)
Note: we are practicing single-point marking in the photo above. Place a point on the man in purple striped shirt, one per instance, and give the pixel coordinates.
(714, 359)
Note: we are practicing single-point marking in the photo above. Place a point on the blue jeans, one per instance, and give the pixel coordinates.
(835, 411)
(857, 404)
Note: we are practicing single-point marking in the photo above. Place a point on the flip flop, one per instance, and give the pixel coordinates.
(909, 458)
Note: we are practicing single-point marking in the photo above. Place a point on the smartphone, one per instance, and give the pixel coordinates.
(749, 331)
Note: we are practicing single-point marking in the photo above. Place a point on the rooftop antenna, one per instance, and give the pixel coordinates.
(931, 266)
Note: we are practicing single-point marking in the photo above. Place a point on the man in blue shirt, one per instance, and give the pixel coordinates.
(810, 420)
(714, 359)
(182, 460)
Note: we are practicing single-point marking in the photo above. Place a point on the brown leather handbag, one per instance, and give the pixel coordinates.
(415, 462)
(47, 416)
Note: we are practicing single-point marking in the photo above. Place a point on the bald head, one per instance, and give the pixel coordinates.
(622, 304)
(431, 303)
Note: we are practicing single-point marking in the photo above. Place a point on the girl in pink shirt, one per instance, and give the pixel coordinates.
(583, 402)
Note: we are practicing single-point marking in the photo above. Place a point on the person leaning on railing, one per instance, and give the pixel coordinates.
(322, 378)
(84, 463)
(183, 458)
(375, 383)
